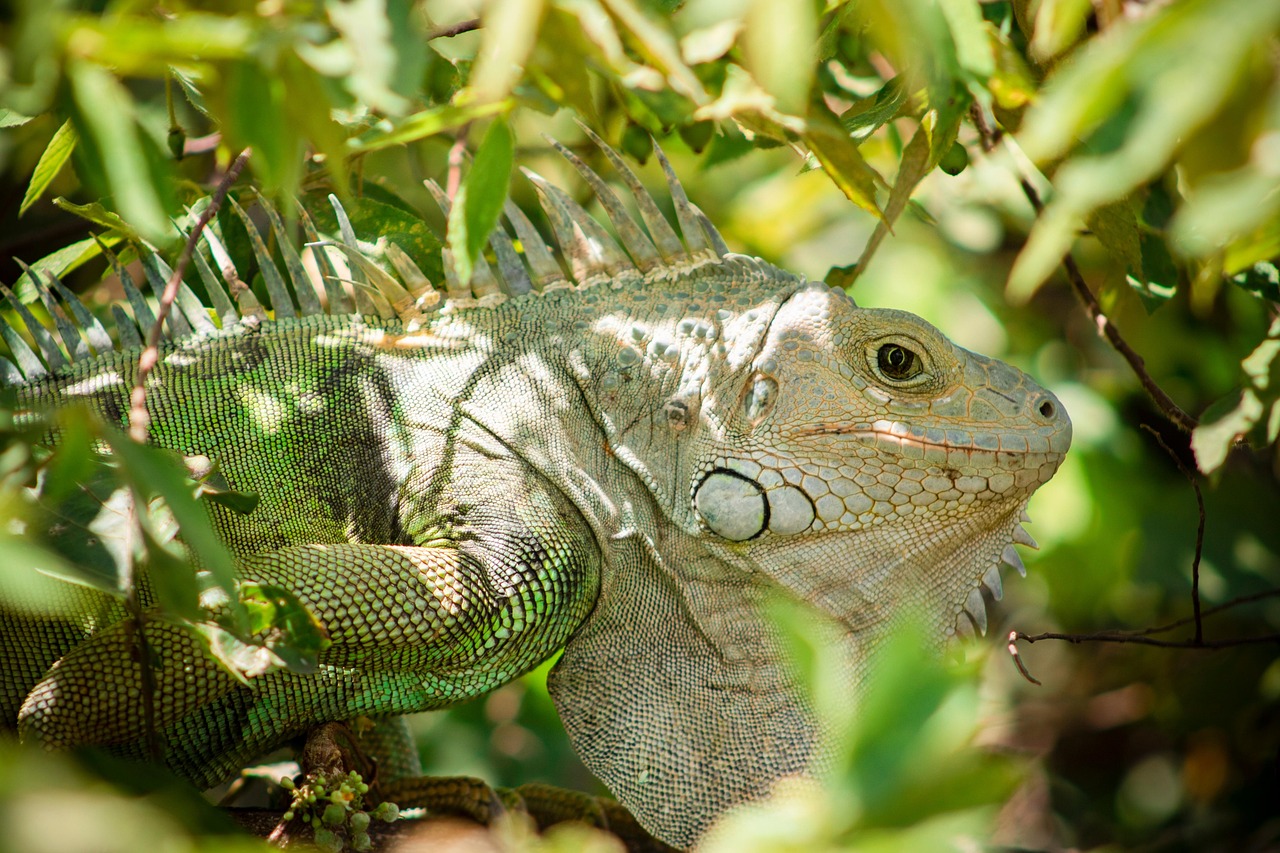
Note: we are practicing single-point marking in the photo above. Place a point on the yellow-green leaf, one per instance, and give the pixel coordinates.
(50, 164)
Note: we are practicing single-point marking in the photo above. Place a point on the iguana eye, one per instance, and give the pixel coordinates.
(760, 397)
(897, 362)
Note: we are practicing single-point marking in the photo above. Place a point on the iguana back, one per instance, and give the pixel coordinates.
(629, 462)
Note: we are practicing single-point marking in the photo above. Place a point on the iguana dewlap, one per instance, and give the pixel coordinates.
(629, 462)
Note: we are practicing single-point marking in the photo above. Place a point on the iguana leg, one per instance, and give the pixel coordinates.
(412, 628)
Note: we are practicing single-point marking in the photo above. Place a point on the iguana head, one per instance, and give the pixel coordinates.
(869, 464)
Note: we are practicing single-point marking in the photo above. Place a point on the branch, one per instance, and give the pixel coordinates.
(450, 30)
(1144, 638)
(990, 138)
(139, 417)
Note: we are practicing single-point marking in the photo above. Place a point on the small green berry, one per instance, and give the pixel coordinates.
(360, 842)
(359, 821)
(328, 841)
(287, 816)
(388, 812)
(335, 815)
(286, 782)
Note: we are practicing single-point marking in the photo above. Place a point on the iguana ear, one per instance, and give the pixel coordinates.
(666, 717)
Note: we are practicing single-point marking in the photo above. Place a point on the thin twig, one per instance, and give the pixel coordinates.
(448, 31)
(457, 152)
(139, 417)
(1195, 562)
(135, 630)
(990, 138)
(1139, 639)
(1144, 637)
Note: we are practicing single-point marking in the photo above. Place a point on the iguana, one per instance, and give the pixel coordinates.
(628, 457)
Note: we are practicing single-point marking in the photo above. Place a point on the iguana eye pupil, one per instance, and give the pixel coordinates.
(898, 362)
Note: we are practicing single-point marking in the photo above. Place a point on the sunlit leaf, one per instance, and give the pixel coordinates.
(105, 116)
(55, 156)
(778, 50)
(285, 624)
(158, 472)
(479, 200)
(842, 161)
(423, 124)
(510, 30)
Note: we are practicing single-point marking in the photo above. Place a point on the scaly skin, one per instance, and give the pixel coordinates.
(631, 470)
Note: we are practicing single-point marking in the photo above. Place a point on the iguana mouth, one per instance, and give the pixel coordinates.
(899, 436)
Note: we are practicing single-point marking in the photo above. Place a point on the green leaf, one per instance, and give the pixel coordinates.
(255, 104)
(1261, 279)
(99, 215)
(153, 471)
(510, 30)
(105, 115)
(64, 260)
(426, 123)
(290, 630)
(1116, 227)
(30, 582)
(12, 118)
(969, 34)
(778, 50)
(55, 156)
(870, 114)
(172, 578)
(479, 201)
(843, 163)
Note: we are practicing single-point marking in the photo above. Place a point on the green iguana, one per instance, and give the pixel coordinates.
(628, 462)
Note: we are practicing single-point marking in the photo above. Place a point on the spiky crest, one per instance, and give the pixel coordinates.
(649, 249)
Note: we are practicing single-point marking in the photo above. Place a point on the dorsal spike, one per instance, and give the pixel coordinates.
(141, 310)
(589, 248)
(690, 227)
(10, 374)
(399, 299)
(127, 328)
(483, 284)
(75, 346)
(547, 274)
(246, 303)
(228, 316)
(53, 356)
(186, 300)
(1011, 557)
(710, 232)
(178, 325)
(333, 291)
(514, 276)
(664, 237)
(303, 289)
(425, 296)
(29, 363)
(281, 302)
(99, 340)
(1022, 537)
(368, 299)
(991, 578)
(637, 244)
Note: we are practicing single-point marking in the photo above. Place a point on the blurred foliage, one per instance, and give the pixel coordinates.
(842, 140)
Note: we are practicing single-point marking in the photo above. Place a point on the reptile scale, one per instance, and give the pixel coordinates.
(625, 450)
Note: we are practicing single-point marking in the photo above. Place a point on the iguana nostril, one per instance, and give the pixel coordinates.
(1047, 409)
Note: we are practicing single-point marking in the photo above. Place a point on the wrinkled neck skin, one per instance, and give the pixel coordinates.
(853, 460)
